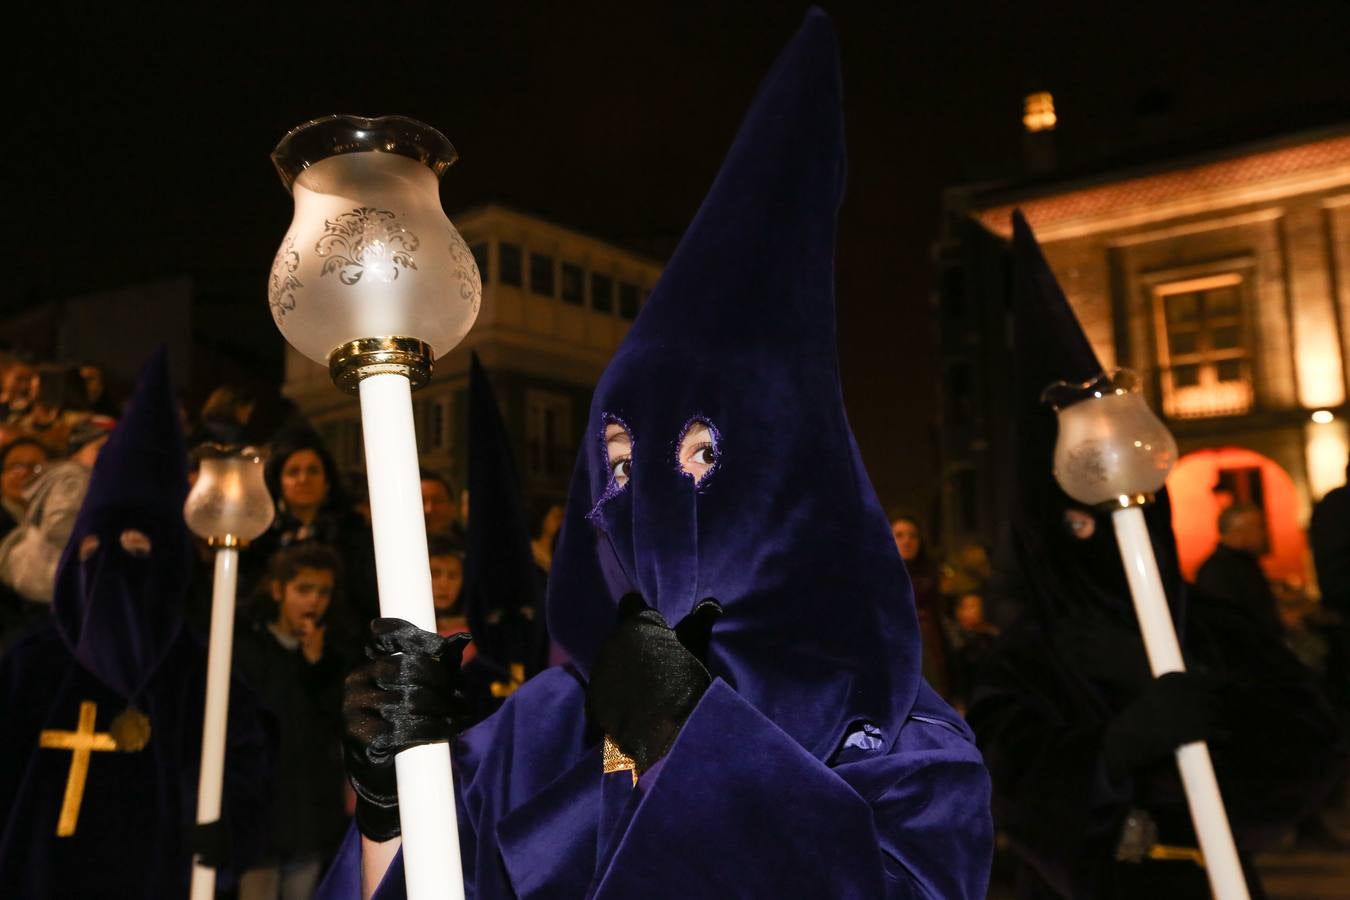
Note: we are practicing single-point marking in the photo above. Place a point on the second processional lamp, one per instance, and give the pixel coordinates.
(1113, 453)
(373, 281)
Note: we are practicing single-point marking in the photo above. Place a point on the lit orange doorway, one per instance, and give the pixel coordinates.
(1206, 481)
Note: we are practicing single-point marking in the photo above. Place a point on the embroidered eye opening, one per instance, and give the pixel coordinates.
(618, 453)
(616, 443)
(699, 449)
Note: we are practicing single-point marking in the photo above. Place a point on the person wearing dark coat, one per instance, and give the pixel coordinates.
(1078, 735)
(1329, 536)
(1233, 572)
(743, 713)
(102, 706)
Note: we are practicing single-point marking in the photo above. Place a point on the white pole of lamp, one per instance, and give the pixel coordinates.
(373, 281)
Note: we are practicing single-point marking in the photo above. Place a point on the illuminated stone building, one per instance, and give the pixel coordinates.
(1223, 279)
(556, 303)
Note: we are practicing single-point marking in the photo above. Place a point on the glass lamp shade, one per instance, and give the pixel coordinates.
(370, 252)
(230, 498)
(1111, 450)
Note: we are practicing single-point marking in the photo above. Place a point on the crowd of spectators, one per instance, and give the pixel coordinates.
(307, 586)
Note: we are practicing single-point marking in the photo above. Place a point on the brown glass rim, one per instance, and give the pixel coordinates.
(318, 139)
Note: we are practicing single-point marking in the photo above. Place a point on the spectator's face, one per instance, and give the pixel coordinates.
(437, 506)
(447, 578)
(303, 600)
(22, 465)
(907, 540)
(1247, 532)
(970, 612)
(303, 482)
(19, 386)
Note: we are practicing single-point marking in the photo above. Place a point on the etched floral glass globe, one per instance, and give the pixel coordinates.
(230, 498)
(1111, 448)
(370, 252)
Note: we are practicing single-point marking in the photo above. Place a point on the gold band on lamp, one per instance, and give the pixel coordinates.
(1125, 501)
(227, 542)
(359, 359)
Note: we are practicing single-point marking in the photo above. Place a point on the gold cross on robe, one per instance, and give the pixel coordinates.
(80, 742)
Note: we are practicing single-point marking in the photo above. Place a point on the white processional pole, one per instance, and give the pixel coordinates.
(1113, 452)
(374, 281)
(228, 506)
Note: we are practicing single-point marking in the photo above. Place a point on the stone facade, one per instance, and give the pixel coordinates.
(1223, 280)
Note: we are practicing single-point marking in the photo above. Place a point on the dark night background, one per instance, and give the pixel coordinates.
(137, 140)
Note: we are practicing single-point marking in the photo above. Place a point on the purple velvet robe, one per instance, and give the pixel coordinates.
(736, 809)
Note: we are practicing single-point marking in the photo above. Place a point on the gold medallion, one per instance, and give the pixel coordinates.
(130, 729)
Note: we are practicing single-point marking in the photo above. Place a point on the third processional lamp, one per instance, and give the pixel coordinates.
(228, 507)
(1114, 453)
(373, 281)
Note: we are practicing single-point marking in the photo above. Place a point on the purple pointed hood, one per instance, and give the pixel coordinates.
(785, 532)
(119, 611)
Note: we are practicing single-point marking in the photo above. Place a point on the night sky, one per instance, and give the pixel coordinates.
(137, 143)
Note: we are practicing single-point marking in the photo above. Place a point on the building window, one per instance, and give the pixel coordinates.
(480, 256)
(541, 274)
(573, 284)
(1202, 348)
(549, 449)
(602, 293)
(629, 297)
(432, 415)
(508, 264)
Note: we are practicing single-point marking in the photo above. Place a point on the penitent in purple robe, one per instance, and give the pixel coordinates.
(818, 764)
(115, 647)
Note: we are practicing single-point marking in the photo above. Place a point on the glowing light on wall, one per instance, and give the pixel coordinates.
(1038, 112)
(1323, 417)
(1326, 448)
(1320, 383)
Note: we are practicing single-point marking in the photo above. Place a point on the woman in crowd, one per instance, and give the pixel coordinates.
(923, 576)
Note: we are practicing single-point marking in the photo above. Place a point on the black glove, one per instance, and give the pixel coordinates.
(648, 678)
(210, 843)
(1176, 709)
(409, 692)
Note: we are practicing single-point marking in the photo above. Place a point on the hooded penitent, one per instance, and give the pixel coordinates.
(119, 602)
(785, 532)
(501, 592)
(1065, 575)
(115, 664)
(816, 764)
(1051, 690)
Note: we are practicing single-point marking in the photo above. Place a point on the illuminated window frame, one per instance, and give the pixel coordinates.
(1209, 396)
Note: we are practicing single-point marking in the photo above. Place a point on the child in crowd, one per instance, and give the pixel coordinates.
(297, 675)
